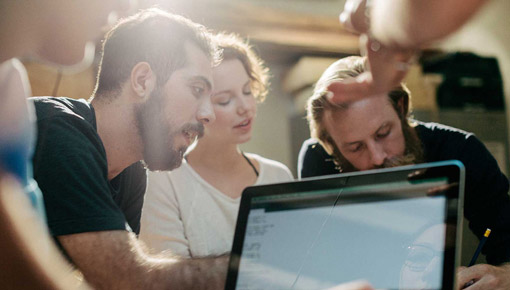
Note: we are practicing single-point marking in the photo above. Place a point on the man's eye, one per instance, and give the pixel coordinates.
(198, 90)
(356, 148)
(383, 134)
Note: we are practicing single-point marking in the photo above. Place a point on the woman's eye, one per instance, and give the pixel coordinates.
(247, 93)
(221, 100)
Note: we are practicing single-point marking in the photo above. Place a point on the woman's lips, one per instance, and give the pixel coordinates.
(246, 124)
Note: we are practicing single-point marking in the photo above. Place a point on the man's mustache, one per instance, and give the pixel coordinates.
(197, 129)
(396, 161)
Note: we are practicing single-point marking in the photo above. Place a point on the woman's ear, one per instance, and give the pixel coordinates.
(142, 81)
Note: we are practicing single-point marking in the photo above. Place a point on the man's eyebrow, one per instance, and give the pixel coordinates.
(350, 144)
(384, 125)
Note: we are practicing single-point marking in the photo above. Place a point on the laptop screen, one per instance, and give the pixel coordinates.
(390, 231)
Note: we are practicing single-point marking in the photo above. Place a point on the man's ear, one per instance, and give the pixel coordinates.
(142, 81)
(401, 106)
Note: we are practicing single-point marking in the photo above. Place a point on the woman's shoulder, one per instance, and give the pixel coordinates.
(263, 161)
(270, 165)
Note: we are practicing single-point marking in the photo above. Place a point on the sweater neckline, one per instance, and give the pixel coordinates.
(204, 182)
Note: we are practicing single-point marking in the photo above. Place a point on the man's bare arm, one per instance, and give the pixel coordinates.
(397, 28)
(117, 260)
(413, 23)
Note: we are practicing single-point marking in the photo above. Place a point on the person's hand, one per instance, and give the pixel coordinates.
(354, 16)
(355, 285)
(386, 69)
(484, 276)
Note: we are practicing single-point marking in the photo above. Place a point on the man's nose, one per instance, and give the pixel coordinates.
(205, 112)
(377, 154)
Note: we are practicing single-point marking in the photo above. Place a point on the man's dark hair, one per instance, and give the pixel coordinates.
(153, 36)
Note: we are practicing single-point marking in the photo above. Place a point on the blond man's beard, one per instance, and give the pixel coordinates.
(413, 153)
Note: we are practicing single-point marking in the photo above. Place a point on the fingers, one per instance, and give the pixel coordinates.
(476, 275)
(351, 90)
(484, 277)
(353, 17)
(465, 275)
(486, 282)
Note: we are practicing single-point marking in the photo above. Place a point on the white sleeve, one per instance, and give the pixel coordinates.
(288, 174)
(281, 171)
(161, 223)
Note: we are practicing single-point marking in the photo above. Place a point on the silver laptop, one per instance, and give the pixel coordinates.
(397, 228)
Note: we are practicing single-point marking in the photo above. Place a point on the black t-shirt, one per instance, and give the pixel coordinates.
(486, 200)
(71, 169)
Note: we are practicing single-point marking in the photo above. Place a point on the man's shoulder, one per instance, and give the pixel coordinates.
(65, 127)
(310, 142)
(312, 148)
(50, 107)
(64, 118)
(435, 130)
(441, 142)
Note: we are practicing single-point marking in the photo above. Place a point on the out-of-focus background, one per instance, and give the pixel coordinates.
(463, 81)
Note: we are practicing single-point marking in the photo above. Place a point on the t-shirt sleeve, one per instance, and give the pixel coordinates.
(70, 168)
(161, 225)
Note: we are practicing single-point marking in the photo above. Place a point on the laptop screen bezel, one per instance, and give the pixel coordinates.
(453, 170)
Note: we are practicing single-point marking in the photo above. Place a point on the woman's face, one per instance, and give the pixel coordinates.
(234, 105)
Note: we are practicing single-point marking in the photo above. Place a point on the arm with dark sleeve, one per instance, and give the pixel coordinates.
(313, 160)
(486, 201)
(70, 168)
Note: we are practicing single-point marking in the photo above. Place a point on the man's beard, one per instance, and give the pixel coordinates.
(413, 152)
(158, 138)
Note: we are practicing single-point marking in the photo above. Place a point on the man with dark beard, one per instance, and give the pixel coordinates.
(378, 132)
(151, 100)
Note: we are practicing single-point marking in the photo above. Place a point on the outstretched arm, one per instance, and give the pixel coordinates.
(392, 30)
(414, 23)
(117, 260)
